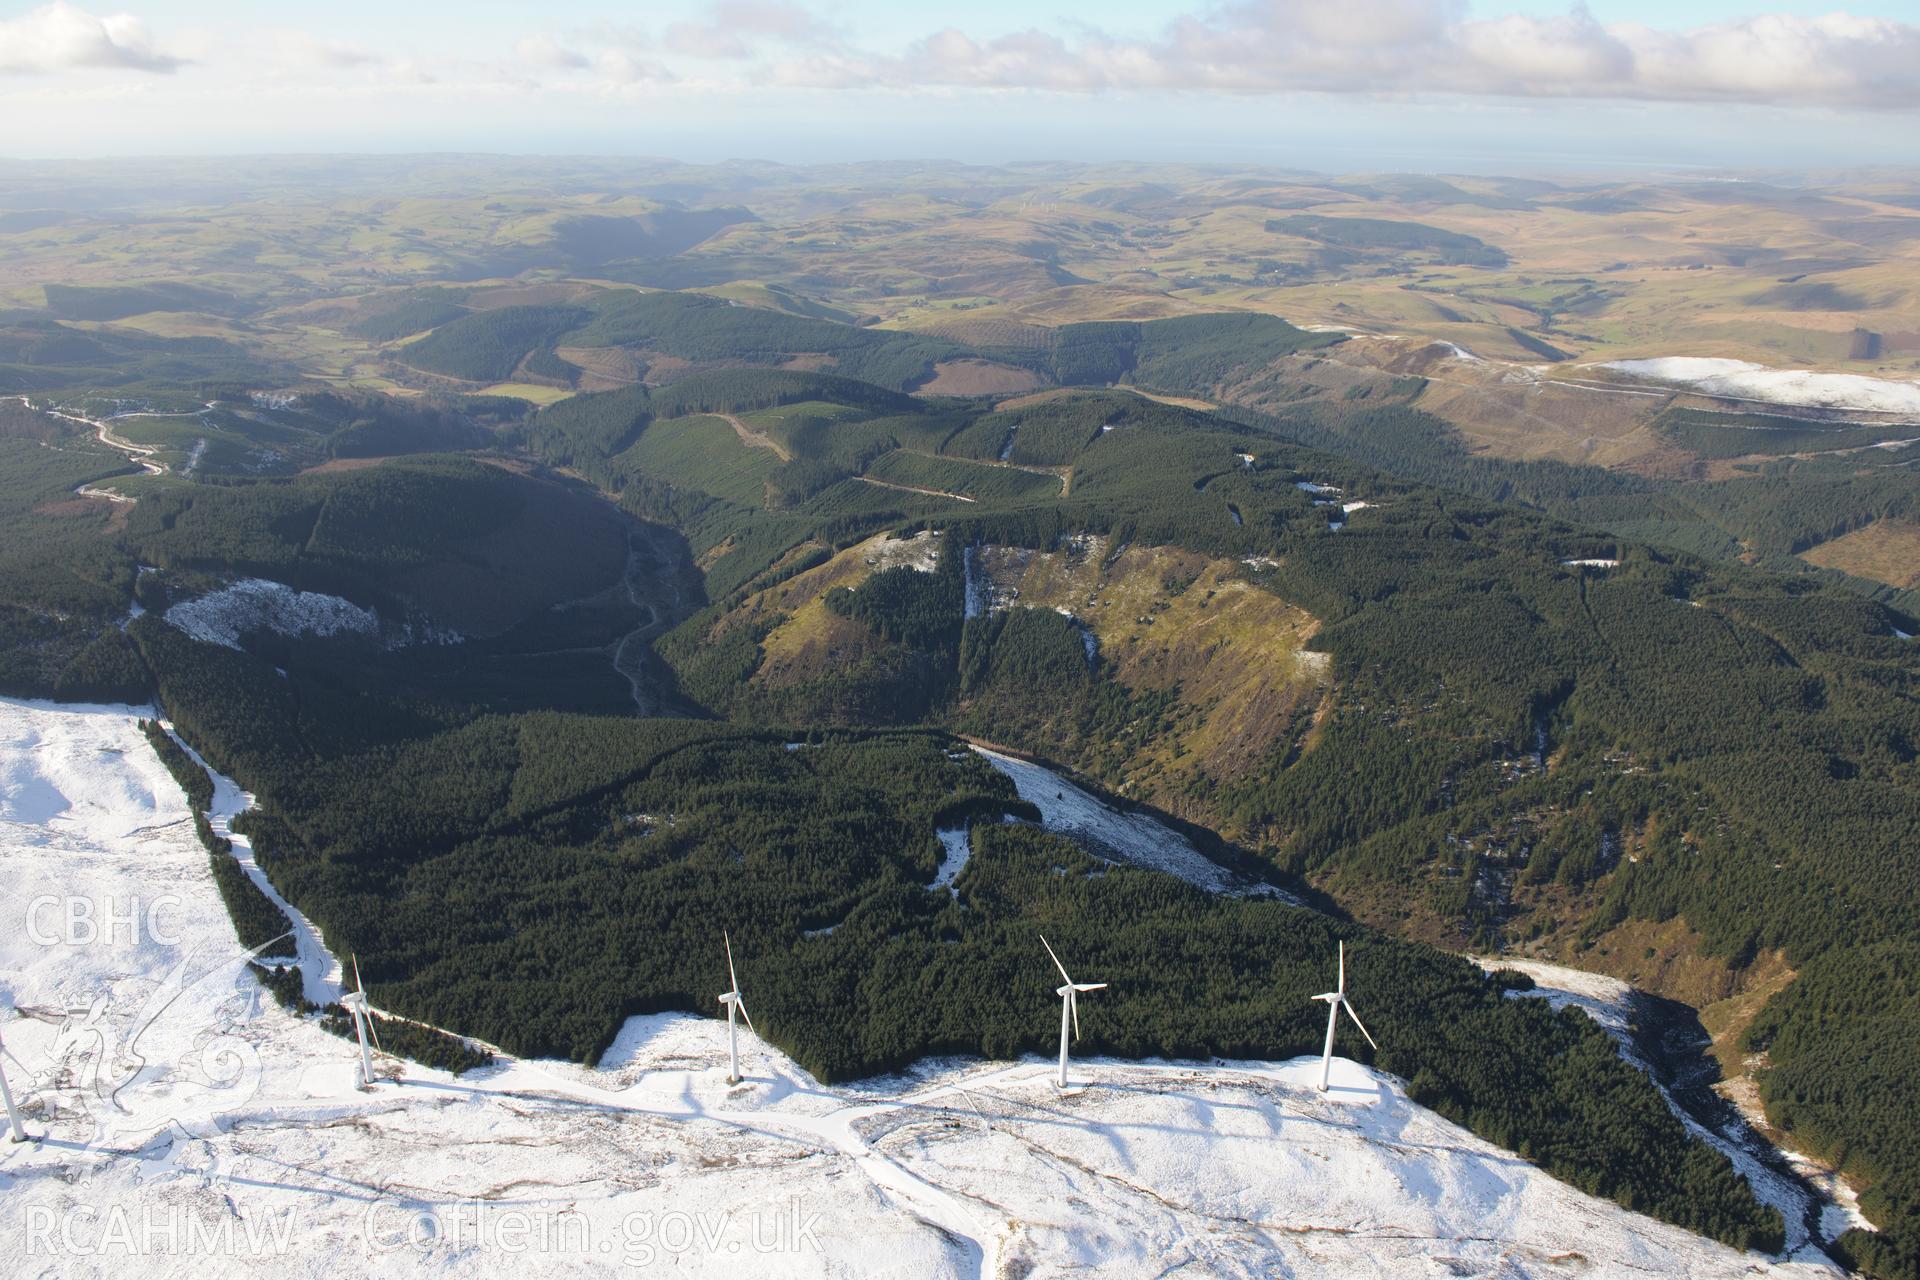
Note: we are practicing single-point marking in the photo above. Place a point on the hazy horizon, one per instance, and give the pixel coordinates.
(1493, 86)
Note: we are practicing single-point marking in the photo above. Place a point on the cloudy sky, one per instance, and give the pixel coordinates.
(1490, 85)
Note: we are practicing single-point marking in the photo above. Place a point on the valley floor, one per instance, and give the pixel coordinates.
(187, 1121)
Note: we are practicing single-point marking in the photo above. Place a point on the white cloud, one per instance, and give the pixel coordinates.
(299, 48)
(618, 67)
(548, 53)
(1405, 46)
(736, 28)
(60, 36)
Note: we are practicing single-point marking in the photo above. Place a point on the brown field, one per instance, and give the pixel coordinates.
(1886, 551)
(525, 295)
(603, 368)
(978, 378)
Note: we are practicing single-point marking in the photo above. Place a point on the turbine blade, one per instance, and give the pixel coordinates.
(1089, 986)
(358, 985)
(1359, 1024)
(732, 980)
(372, 1031)
(749, 1017)
(1342, 987)
(1073, 1003)
(1056, 960)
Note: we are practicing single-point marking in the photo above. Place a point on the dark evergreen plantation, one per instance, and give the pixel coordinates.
(514, 855)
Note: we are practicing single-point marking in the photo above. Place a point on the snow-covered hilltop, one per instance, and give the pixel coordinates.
(1744, 380)
(174, 1098)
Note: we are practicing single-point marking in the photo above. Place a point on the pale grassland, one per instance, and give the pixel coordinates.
(1886, 551)
(527, 391)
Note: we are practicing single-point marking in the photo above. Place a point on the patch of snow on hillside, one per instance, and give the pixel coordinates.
(259, 604)
(1596, 562)
(1610, 1003)
(921, 551)
(958, 845)
(979, 597)
(1088, 641)
(1741, 380)
(1683, 368)
(1132, 838)
(651, 1159)
(320, 973)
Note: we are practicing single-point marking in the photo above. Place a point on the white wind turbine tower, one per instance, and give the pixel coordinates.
(1069, 1005)
(355, 1003)
(736, 1004)
(13, 1113)
(1336, 1001)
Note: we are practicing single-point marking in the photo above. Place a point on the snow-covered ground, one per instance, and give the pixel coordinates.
(979, 596)
(1609, 1002)
(1133, 838)
(957, 845)
(921, 551)
(260, 604)
(321, 975)
(1741, 380)
(188, 1126)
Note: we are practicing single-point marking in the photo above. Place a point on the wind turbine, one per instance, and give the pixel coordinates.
(13, 1113)
(1336, 1001)
(355, 1003)
(736, 1004)
(1069, 1005)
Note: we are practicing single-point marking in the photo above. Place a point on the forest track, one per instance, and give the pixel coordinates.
(757, 439)
(649, 579)
(914, 488)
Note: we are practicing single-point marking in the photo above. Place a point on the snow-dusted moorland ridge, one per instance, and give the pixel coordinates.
(1742, 380)
(192, 1127)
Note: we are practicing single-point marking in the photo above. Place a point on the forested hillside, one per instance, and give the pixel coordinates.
(1473, 702)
